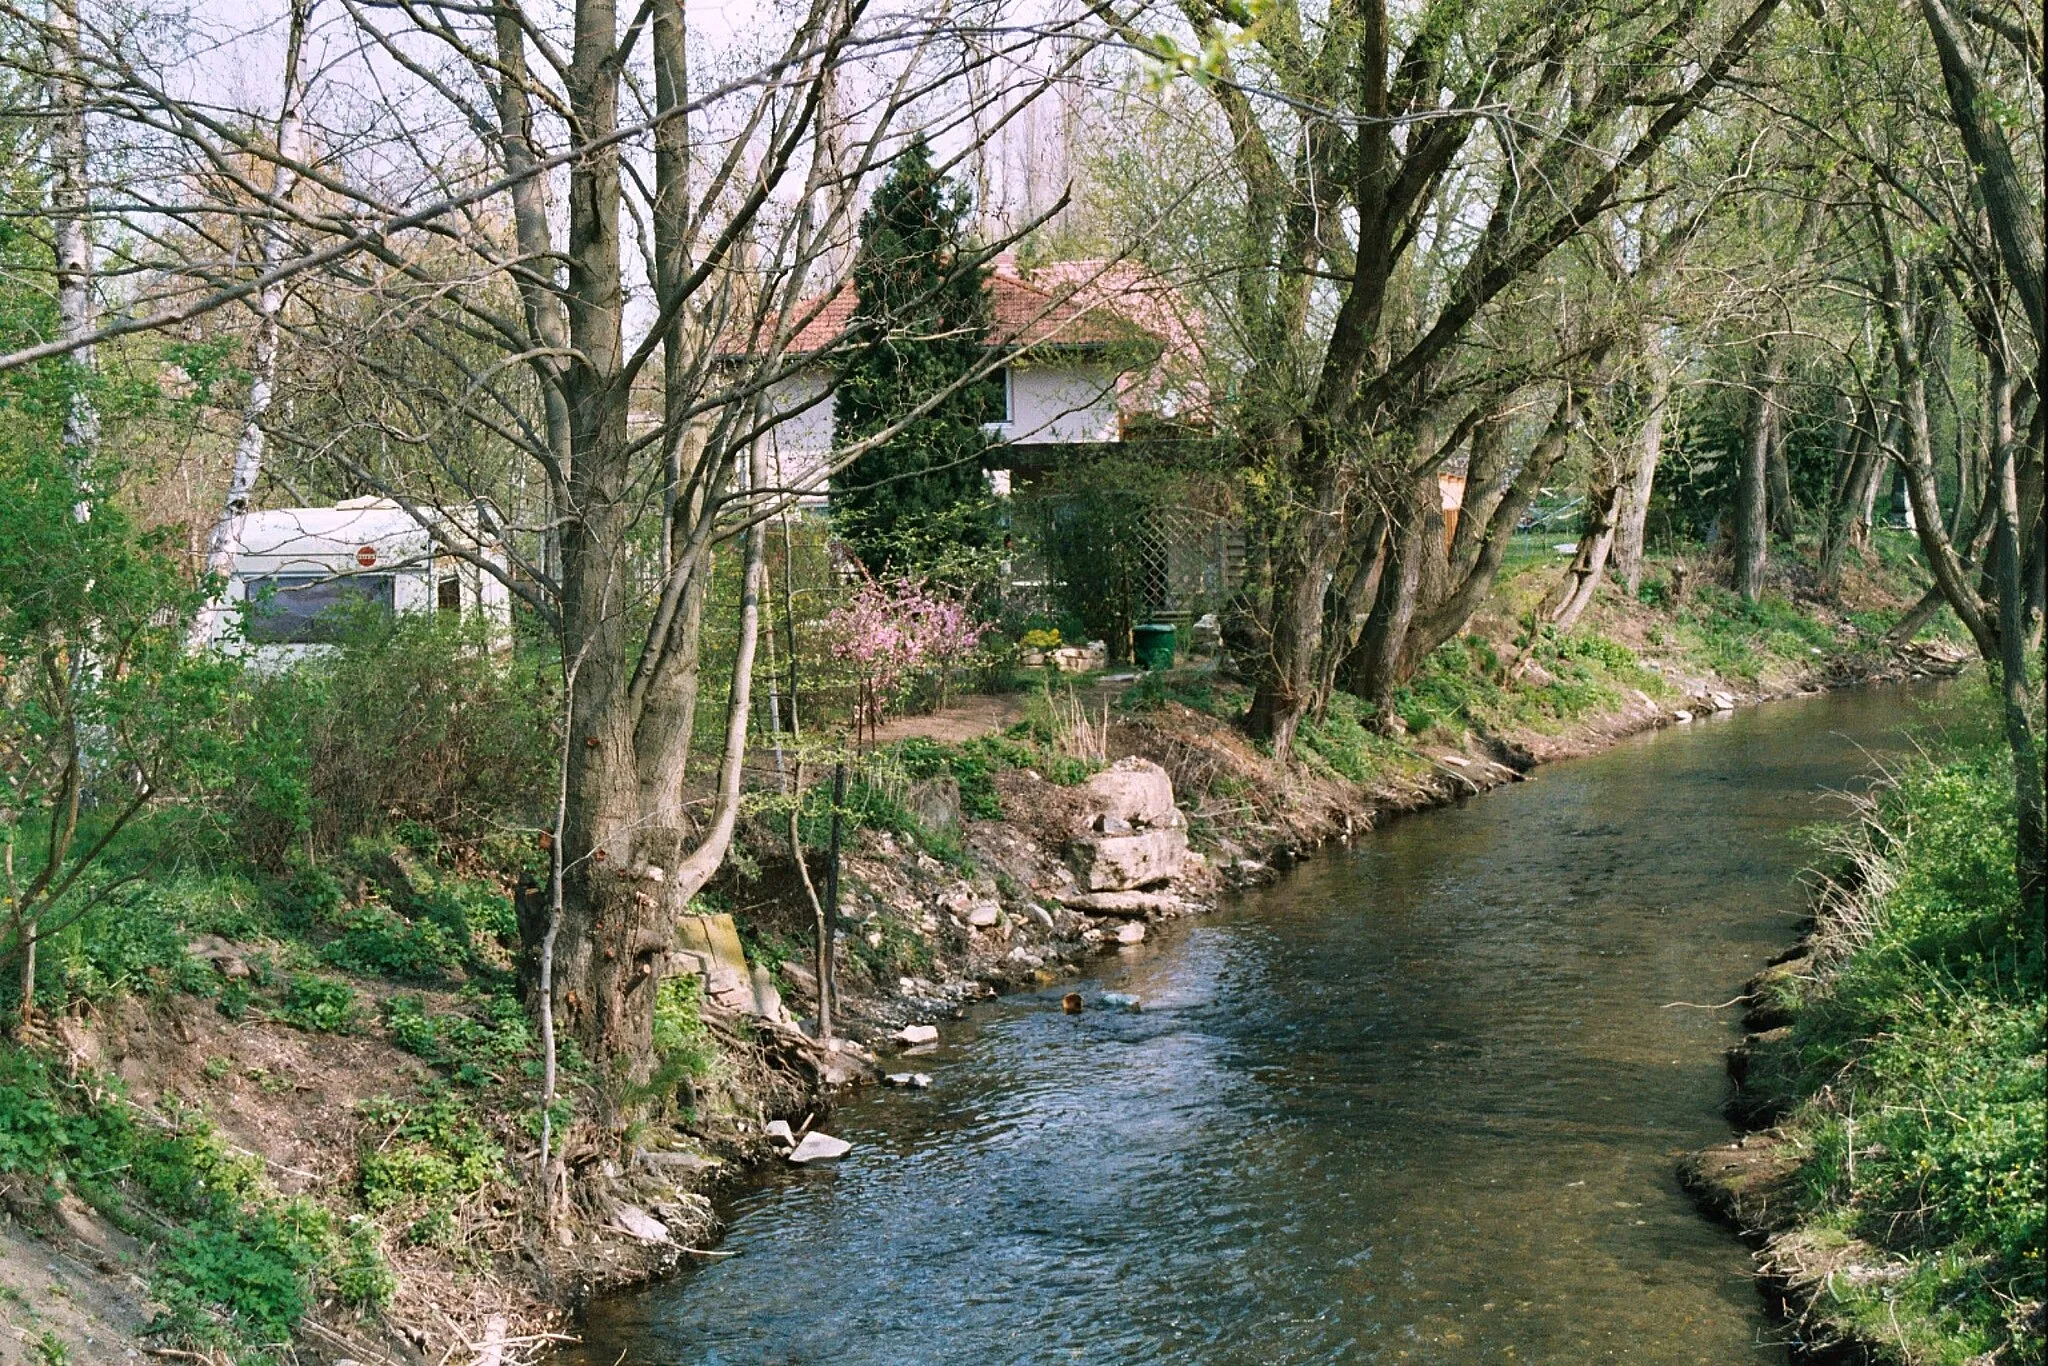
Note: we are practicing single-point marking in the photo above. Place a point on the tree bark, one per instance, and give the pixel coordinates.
(71, 242)
(1634, 515)
(2014, 211)
(1432, 628)
(224, 543)
(1752, 503)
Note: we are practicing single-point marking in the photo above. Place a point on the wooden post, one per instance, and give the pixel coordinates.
(828, 915)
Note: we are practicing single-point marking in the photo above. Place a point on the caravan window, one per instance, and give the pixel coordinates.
(311, 609)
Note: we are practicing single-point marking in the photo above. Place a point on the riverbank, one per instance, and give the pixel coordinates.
(344, 1058)
(1892, 1085)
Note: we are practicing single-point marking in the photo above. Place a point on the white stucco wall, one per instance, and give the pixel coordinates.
(1061, 403)
(1048, 404)
(799, 444)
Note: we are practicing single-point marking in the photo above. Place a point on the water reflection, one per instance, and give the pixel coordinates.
(1420, 1102)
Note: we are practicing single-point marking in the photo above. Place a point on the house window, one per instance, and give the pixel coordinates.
(448, 593)
(312, 609)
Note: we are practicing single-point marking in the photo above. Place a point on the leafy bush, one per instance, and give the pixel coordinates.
(321, 1004)
(234, 1264)
(376, 939)
(363, 1276)
(411, 717)
(424, 1153)
(475, 1046)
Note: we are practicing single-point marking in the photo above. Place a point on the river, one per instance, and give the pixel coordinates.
(1418, 1102)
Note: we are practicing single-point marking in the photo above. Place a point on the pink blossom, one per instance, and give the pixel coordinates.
(892, 632)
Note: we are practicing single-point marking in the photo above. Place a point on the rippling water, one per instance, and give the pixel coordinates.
(1419, 1102)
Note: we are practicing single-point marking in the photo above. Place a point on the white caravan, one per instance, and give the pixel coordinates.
(299, 569)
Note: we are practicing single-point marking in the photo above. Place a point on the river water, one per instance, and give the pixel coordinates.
(1418, 1102)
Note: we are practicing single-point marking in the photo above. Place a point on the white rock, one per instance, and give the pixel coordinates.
(1457, 761)
(1134, 791)
(1115, 863)
(1119, 903)
(918, 1081)
(1132, 933)
(779, 1130)
(1119, 1000)
(984, 915)
(1681, 717)
(638, 1222)
(917, 1034)
(818, 1147)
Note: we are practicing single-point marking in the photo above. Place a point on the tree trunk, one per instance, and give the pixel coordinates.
(2015, 661)
(224, 543)
(1849, 513)
(71, 242)
(1752, 503)
(1289, 660)
(1374, 669)
(2014, 211)
(1784, 512)
(1575, 594)
(1635, 506)
(1432, 628)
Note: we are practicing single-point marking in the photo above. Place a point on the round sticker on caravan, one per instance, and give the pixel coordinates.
(366, 556)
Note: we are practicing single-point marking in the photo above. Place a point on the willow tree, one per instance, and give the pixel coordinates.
(1396, 175)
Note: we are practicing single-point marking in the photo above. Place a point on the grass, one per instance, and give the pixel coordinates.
(236, 1265)
(1922, 1058)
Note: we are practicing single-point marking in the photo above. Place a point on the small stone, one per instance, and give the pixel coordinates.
(916, 1034)
(1131, 933)
(1457, 761)
(984, 915)
(1042, 916)
(917, 1081)
(1120, 1000)
(640, 1224)
(1681, 717)
(818, 1147)
(779, 1130)
(1112, 825)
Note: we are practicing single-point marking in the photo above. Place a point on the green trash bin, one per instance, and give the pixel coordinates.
(1152, 644)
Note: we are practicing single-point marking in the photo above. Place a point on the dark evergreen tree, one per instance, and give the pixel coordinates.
(915, 502)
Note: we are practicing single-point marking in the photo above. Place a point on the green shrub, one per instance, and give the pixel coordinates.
(378, 940)
(425, 1152)
(475, 1045)
(320, 1004)
(416, 718)
(1923, 1053)
(363, 1277)
(234, 1264)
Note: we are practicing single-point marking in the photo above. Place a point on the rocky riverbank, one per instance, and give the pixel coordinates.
(401, 1115)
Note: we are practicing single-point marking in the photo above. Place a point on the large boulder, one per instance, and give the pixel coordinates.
(1116, 863)
(935, 802)
(1134, 792)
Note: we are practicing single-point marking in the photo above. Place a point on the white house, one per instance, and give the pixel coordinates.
(1096, 345)
(295, 567)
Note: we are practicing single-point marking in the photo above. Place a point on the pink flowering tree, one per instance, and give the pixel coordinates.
(891, 633)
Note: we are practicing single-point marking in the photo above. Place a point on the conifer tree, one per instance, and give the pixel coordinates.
(914, 502)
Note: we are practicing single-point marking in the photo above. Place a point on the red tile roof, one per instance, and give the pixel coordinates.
(1024, 314)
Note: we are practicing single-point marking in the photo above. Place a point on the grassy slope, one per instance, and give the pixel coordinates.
(1916, 1053)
